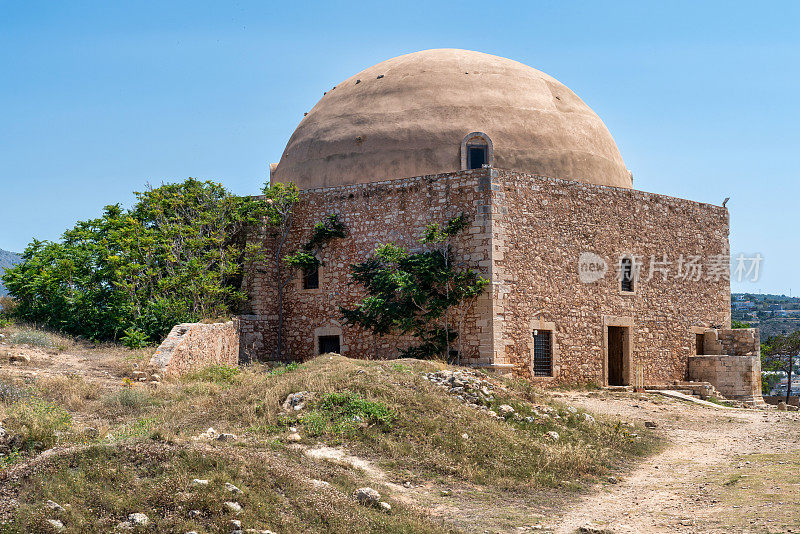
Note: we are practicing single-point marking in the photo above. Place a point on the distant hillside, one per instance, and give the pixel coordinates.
(7, 259)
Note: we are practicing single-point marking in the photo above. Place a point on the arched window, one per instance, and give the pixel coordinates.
(476, 151)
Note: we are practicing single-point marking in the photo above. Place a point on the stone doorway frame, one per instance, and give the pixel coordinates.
(627, 346)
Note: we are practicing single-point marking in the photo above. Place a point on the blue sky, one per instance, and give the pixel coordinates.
(99, 98)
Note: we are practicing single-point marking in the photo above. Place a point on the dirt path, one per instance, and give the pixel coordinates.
(670, 492)
(97, 366)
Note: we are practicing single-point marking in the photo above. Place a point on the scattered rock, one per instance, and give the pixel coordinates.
(138, 519)
(256, 531)
(588, 418)
(385, 506)
(553, 435)
(226, 437)
(19, 358)
(407, 484)
(781, 406)
(650, 424)
(594, 529)
(572, 409)
(297, 401)
(505, 409)
(445, 493)
(194, 514)
(54, 506)
(233, 507)
(294, 437)
(200, 482)
(367, 496)
(233, 489)
(155, 377)
(209, 434)
(56, 525)
(464, 436)
(236, 524)
(612, 480)
(320, 483)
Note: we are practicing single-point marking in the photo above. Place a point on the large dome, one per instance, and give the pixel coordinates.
(409, 116)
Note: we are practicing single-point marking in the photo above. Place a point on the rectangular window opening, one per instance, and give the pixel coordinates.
(311, 278)
(329, 344)
(542, 353)
(476, 157)
(626, 275)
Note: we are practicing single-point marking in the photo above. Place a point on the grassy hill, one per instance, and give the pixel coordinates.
(396, 426)
(7, 259)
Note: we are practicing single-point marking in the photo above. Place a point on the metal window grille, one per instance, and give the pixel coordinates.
(542, 353)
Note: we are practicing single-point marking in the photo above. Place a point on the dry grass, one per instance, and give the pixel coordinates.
(766, 487)
(146, 451)
(425, 438)
(70, 391)
(155, 479)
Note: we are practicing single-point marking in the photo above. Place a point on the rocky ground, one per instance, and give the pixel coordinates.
(719, 470)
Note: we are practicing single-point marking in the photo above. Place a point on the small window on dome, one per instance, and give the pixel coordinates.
(476, 151)
(476, 155)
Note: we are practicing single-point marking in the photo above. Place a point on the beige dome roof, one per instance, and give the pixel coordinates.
(409, 115)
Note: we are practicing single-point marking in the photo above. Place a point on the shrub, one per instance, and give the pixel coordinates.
(342, 413)
(10, 392)
(134, 338)
(220, 374)
(293, 366)
(38, 421)
(29, 336)
(130, 398)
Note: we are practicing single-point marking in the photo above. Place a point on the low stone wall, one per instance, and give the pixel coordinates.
(735, 377)
(196, 345)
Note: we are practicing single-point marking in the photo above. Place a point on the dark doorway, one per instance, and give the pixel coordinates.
(616, 355)
(698, 343)
(329, 344)
(476, 156)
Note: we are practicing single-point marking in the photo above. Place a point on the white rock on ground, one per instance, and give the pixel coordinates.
(588, 418)
(54, 506)
(56, 525)
(236, 524)
(233, 489)
(367, 496)
(138, 519)
(297, 401)
(226, 437)
(505, 409)
(194, 514)
(385, 506)
(553, 435)
(233, 506)
(200, 482)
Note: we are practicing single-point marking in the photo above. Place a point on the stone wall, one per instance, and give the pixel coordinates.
(735, 377)
(191, 346)
(394, 211)
(543, 227)
(527, 235)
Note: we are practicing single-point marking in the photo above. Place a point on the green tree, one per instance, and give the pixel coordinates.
(415, 293)
(176, 256)
(280, 202)
(779, 353)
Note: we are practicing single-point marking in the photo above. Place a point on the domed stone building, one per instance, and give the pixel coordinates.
(591, 280)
